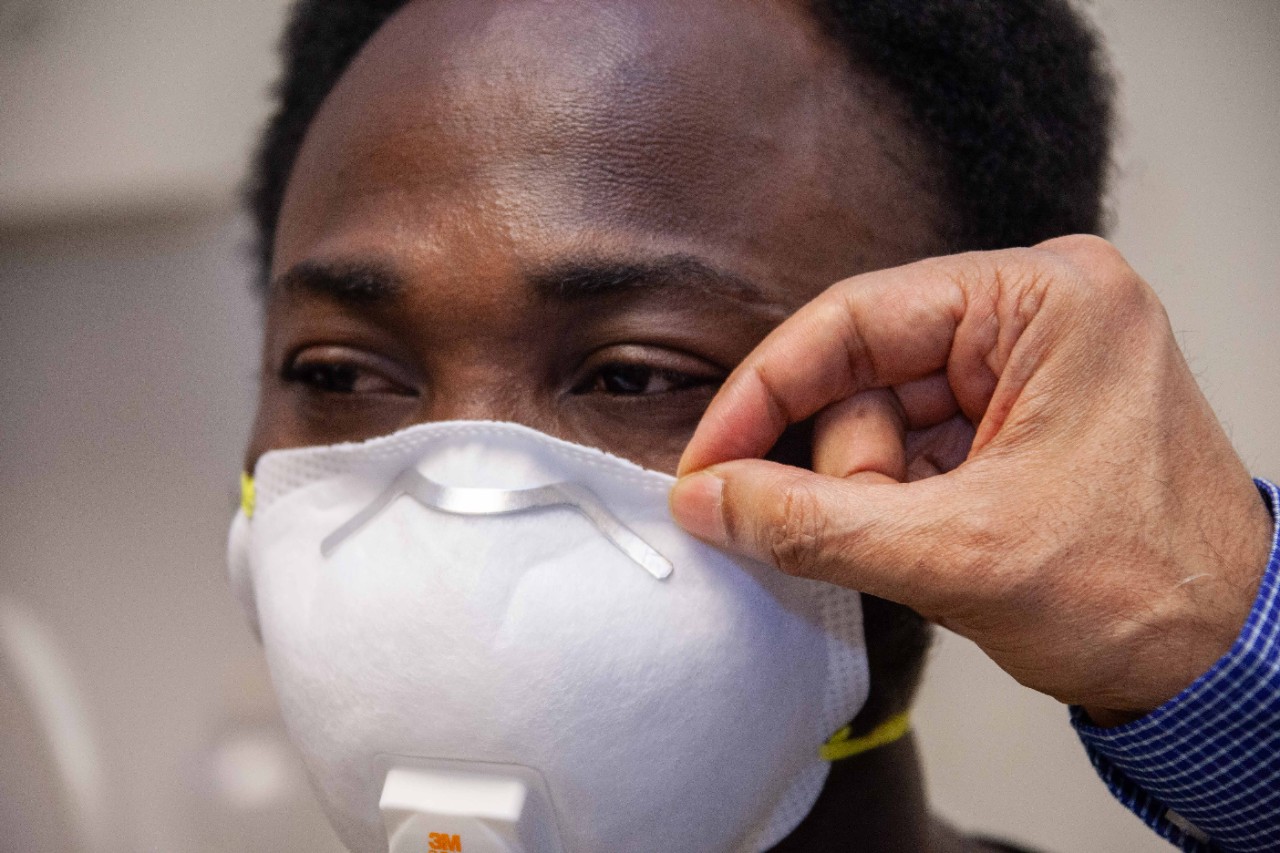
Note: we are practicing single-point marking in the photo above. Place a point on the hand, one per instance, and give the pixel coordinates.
(1010, 443)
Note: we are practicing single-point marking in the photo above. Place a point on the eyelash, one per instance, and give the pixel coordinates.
(314, 374)
(598, 380)
(339, 377)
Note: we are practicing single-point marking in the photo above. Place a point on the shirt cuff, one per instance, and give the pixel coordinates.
(1203, 770)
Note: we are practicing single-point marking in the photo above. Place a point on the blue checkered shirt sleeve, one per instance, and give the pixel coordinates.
(1203, 770)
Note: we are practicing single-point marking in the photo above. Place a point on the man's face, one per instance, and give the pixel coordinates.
(574, 214)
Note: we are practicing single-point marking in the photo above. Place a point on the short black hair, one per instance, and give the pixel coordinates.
(1013, 99)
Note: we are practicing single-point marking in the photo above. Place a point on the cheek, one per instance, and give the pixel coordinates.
(657, 438)
(285, 419)
(662, 456)
(643, 438)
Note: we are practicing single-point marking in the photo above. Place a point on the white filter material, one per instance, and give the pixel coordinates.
(684, 713)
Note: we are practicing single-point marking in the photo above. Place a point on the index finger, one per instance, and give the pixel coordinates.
(874, 330)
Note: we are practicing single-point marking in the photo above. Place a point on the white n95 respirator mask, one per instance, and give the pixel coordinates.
(488, 640)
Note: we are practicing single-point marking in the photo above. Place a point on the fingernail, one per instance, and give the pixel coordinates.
(697, 503)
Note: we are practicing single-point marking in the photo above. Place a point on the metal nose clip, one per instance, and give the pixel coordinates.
(467, 501)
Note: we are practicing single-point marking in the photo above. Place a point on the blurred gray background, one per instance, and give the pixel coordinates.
(135, 714)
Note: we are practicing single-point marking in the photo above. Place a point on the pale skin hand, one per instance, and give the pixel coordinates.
(1096, 534)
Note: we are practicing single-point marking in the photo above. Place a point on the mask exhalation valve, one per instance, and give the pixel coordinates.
(438, 807)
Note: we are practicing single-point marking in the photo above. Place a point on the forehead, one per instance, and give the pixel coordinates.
(733, 127)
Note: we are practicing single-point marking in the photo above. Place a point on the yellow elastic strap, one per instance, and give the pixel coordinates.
(842, 745)
(248, 496)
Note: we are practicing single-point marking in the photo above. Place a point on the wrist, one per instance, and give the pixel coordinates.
(1208, 635)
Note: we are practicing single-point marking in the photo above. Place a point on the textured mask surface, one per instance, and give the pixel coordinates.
(684, 713)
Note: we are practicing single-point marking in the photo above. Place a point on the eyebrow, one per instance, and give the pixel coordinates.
(370, 284)
(585, 278)
(364, 284)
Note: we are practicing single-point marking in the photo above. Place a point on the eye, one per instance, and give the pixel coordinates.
(339, 370)
(646, 374)
(637, 379)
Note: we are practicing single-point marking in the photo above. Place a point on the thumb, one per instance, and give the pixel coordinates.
(861, 533)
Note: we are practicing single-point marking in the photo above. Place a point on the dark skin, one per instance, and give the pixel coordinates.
(580, 216)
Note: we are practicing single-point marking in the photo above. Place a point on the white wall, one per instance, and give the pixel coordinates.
(126, 385)
(129, 103)
(126, 374)
(1197, 212)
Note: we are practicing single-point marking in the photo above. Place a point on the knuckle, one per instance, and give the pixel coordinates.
(974, 273)
(1084, 250)
(795, 543)
(1098, 268)
(1020, 288)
